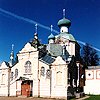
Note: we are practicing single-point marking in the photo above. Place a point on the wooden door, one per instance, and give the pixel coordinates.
(25, 89)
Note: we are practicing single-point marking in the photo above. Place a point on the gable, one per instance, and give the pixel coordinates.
(28, 48)
(59, 61)
(3, 65)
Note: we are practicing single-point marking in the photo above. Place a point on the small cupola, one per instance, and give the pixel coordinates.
(35, 34)
(35, 42)
(51, 37)
(12, 56)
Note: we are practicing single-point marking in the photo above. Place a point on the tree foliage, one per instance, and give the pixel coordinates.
(89, 56)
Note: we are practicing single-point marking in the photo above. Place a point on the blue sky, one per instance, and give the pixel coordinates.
(84, 16)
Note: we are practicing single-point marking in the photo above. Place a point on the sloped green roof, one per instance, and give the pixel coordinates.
(66, 35)
(55, 50)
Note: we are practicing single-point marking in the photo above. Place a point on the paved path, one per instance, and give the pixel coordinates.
(83, 98)
(25, 98)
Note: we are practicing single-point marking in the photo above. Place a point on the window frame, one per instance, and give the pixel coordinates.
(42, 71)
(16, 73)
(48, 73)
(28, 67)
(12, 75)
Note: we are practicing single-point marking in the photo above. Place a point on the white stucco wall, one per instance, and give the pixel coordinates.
(28, 53)
(92, 83)
(3, 79)
(44, 82)
(42, 86)
(13, 88)
(71, 48)
(59, 86)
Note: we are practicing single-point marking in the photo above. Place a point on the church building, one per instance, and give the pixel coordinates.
(50, 70)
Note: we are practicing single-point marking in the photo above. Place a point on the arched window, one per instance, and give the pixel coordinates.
(3, 79)
(28, 67)
(48, 74)
(12, 74)
(42, 71)
(59, 78)
(16, 73)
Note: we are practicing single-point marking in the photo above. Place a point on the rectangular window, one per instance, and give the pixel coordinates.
(12, 76)
(3, 79)
(48, 74)
(59, 78)
(42, 71)
(16, 73)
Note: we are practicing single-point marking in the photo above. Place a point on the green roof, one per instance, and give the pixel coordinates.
(64, 22)
(66, 35)
(55, 50)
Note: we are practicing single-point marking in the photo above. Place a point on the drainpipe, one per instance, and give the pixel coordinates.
(9, 71)
(38, 78)
(50, 79)
(67, 81)
(78, 80)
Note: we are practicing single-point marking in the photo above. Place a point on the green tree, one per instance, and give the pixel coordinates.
(89, 56)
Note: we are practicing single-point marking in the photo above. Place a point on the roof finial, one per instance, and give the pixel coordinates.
(63, 13)
(12, 47)
(51, 28)
(36, 28)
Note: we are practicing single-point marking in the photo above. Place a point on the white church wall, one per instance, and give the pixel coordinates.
(13, 82)
(71, 48)
(45, 87)
(4, 90)
(28, 53)
(18, 88)
(44, 81)
(92, 83)
(35, 88)
(3, 79)
(59, 84)
(13, 88)
(23, 57)
(4, 82)
(59, 78)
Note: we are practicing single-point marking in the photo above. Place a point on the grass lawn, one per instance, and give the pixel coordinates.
(93, 97)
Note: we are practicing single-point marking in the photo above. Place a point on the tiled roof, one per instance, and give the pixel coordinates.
(93, 67)
(55, 49)
(47, 59)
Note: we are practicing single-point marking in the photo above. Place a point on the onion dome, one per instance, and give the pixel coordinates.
(64, 22)
(51, 36)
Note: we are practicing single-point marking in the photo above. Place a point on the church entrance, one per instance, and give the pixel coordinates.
(26, 88)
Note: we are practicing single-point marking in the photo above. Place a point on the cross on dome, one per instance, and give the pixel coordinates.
(51, 28)
(12, 47)
(36, 28)
(63, 13)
